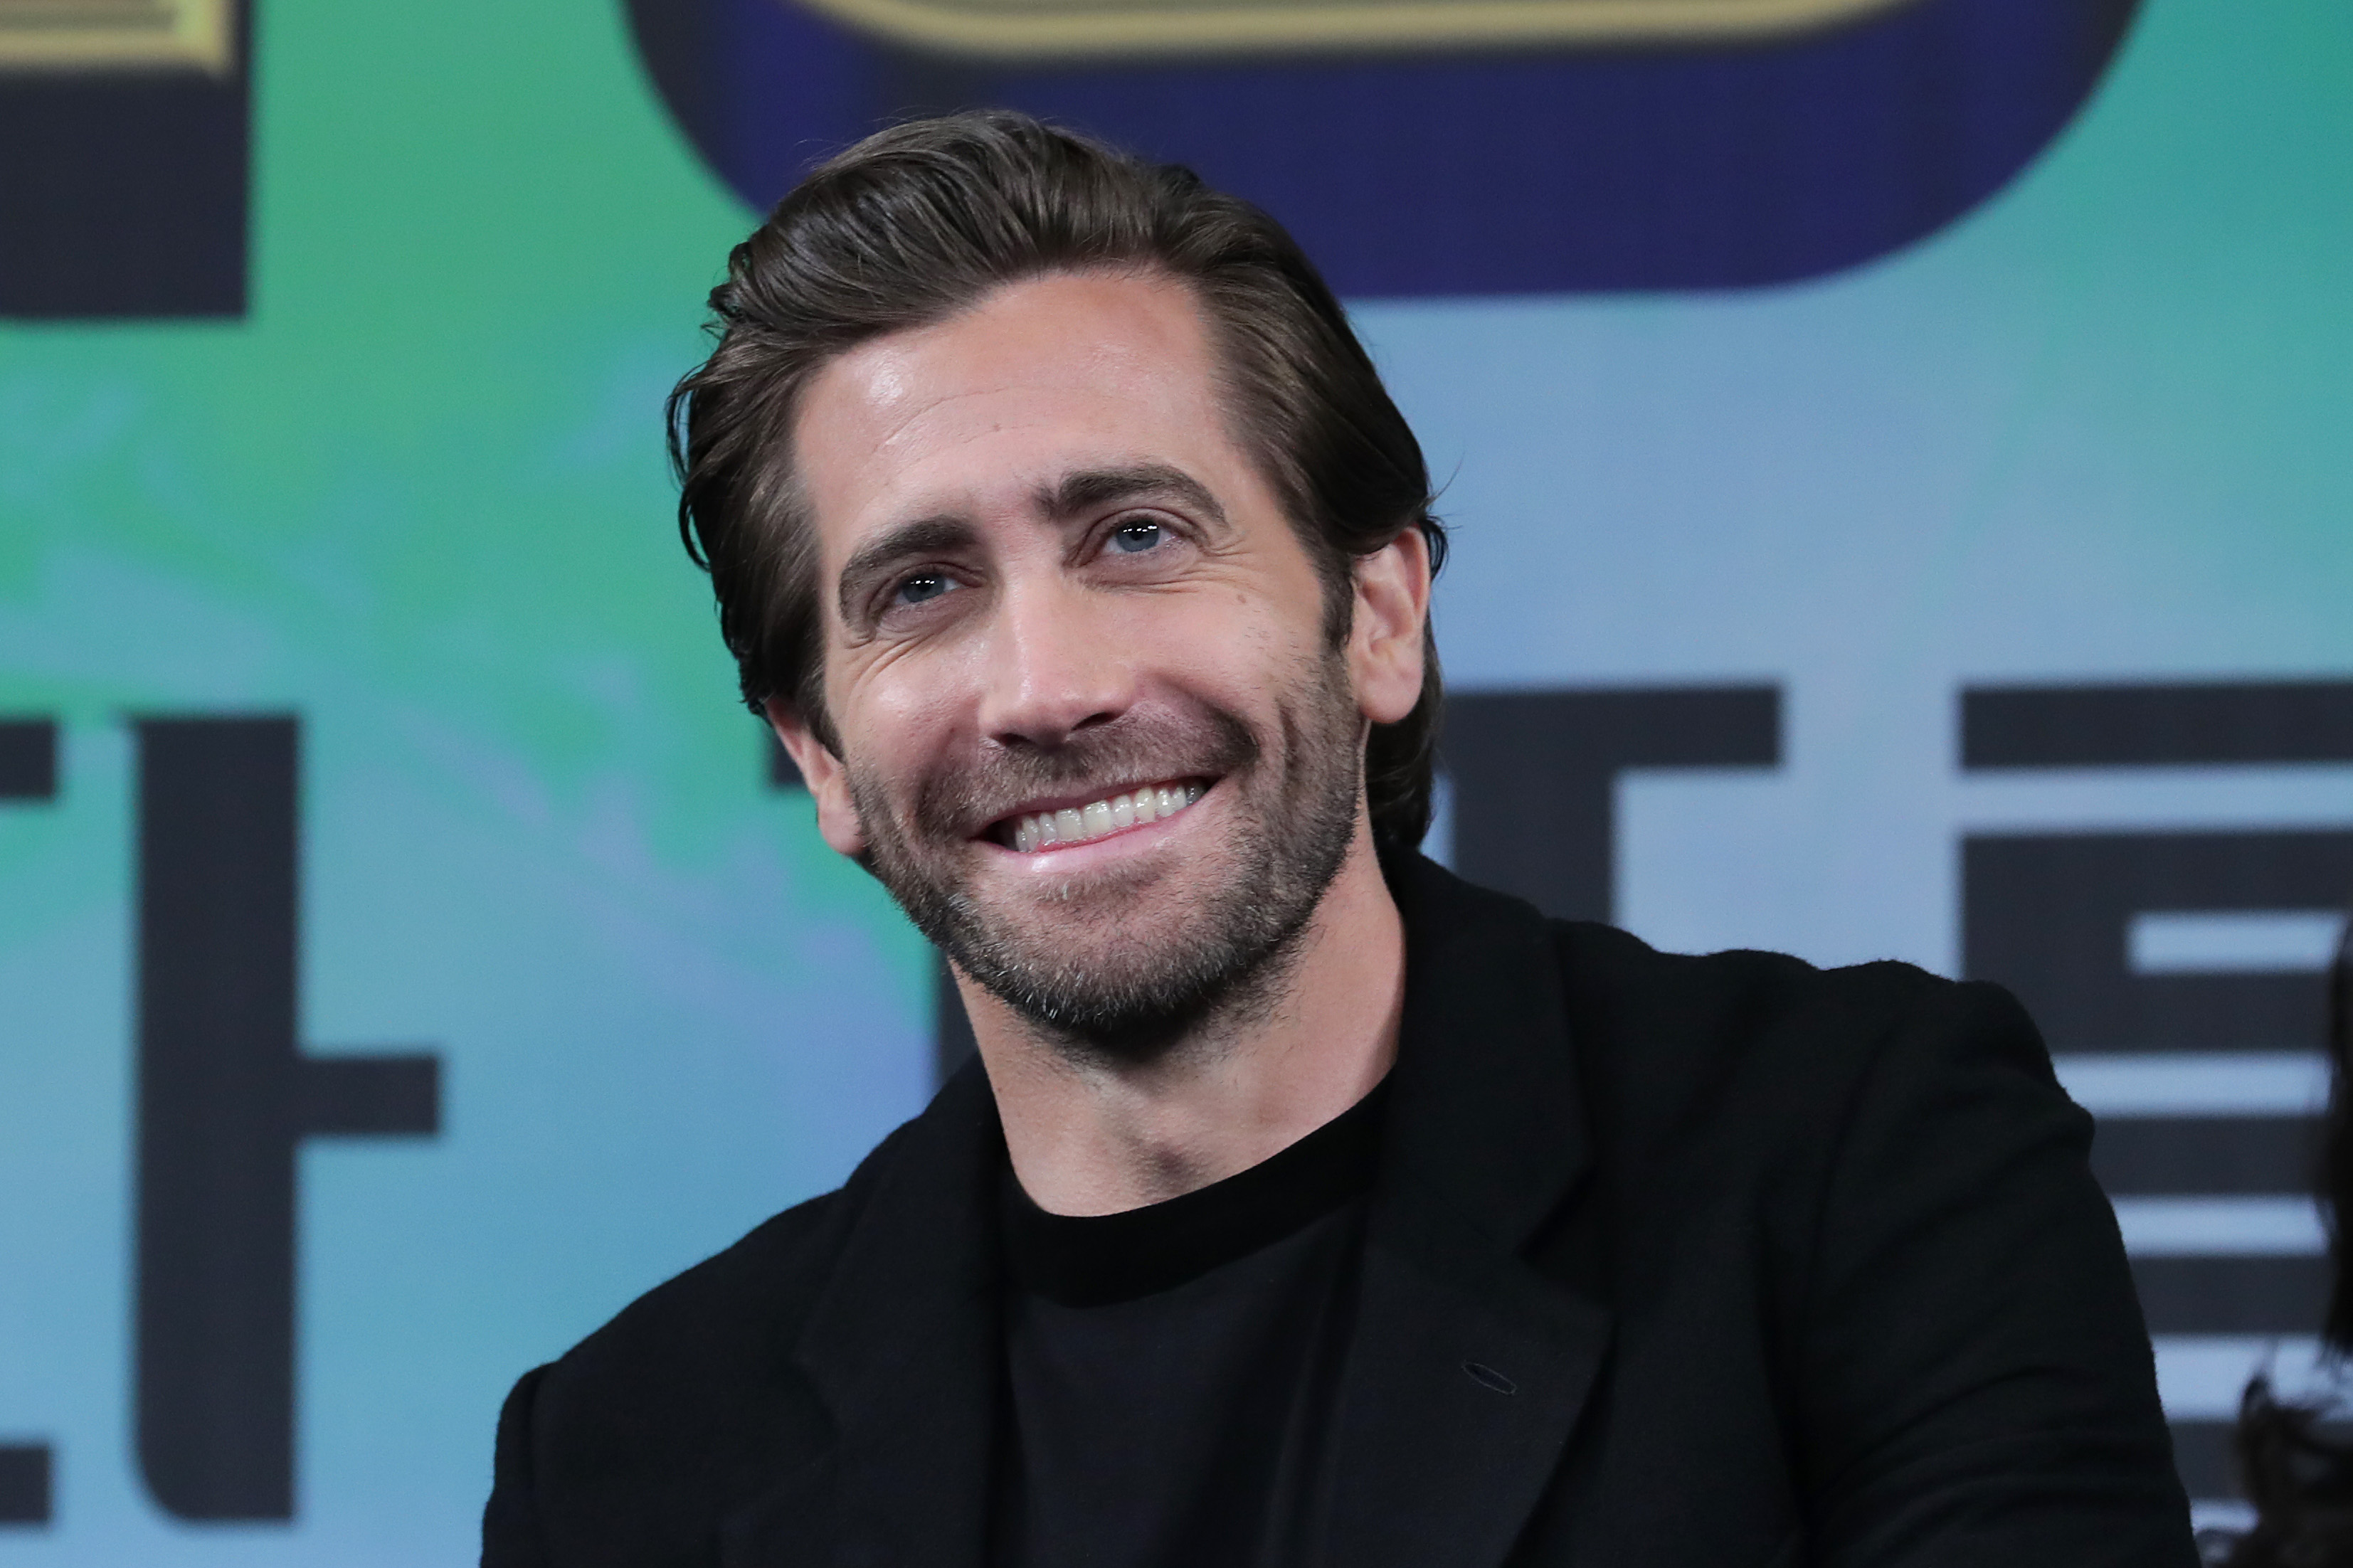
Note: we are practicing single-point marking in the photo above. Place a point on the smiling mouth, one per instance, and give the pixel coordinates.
(1037, 830)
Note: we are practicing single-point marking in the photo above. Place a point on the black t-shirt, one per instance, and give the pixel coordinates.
(1172, 1369)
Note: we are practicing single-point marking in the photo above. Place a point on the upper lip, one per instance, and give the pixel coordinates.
(1072, 800)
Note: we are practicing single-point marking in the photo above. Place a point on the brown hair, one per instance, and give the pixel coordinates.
(919, 222)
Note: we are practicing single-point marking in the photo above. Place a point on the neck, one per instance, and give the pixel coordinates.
(1094, 1137)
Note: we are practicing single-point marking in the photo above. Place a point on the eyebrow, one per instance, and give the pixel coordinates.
(936, 535)
(1090, 489)
(1074, 495)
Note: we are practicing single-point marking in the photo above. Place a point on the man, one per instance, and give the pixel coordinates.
(1307, 1205)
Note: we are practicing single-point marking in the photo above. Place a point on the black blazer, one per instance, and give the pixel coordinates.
(1782, 1266)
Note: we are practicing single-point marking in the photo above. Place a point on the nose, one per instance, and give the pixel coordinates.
(1055, 665)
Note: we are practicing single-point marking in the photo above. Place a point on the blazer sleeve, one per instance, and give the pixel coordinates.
(511, 1533)
(1975, 1383)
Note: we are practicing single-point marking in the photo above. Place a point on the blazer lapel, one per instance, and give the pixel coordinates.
(903, 1347)
(1466, 1370)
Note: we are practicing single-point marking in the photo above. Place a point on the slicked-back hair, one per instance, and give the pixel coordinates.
(921, 221)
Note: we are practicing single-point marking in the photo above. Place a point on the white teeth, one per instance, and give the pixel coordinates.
(1045, 829)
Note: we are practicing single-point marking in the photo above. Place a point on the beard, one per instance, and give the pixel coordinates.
(1124, 963)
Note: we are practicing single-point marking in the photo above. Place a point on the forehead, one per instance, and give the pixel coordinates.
(977, 413)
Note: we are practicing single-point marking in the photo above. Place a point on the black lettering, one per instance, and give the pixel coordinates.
(123, 194)
(225, 1097)
(2266, 722)
(2163, 1155)
(2051, 915)
(28, 771)
(2231, 1295)
(28, 759)
(26, 1484)
(1536, 776)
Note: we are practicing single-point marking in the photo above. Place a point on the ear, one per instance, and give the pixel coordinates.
(1385, 640)
(827, 780)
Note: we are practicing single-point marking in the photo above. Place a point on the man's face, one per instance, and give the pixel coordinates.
(1092, 732)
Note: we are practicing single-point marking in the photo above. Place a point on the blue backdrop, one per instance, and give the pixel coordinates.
(1900, 513)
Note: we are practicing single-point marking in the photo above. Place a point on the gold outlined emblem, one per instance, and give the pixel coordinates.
(1034, 29)
(117, 34)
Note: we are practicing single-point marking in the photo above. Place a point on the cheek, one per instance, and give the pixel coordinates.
(1231, 643)
(895, 710)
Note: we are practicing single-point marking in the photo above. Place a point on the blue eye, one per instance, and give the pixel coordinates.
(923, 587)
(1136, 538)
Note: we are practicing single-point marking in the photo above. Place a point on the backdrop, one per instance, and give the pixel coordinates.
(1897, 450)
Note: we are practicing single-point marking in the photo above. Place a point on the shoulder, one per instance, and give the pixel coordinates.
(1619, 988)
(1615, 982)
(695, 1379)
(1762, 1047)
(734, 1307)
(1734, 1043)
(746, 1302)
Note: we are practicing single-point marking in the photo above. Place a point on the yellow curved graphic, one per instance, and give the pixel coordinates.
(1033, 29)
(117, 34)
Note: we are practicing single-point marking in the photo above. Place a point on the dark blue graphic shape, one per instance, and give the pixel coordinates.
(1556, 171)
(226, 1098)
(2047, 914)
(124, 194)
(1535, 777)
(28, 759)
(2183, 724)
(26, 1483)
(29, 771)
